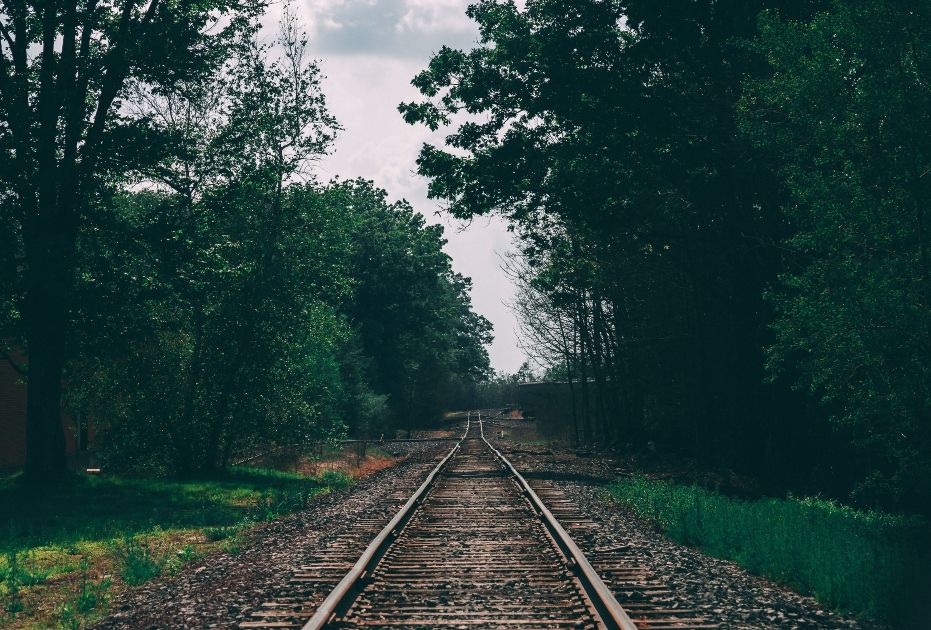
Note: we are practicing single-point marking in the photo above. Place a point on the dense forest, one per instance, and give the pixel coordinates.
(720, 209)
(723, 222)
(171, 269)
(722, 273)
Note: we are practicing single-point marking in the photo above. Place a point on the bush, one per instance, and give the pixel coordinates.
(92, 594)
(14, 603)
(180, 558)
(138, 563)
(335, 479)
(868, 563)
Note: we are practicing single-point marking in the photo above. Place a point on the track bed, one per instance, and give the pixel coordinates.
(474, 554)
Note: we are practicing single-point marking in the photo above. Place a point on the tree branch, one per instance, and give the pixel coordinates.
(112, 78)
(6, 35)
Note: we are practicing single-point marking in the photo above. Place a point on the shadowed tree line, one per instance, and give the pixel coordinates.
(723, 218)
(170, 266)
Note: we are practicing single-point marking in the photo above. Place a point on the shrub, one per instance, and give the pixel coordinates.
(868, 563)
(92, 593)
(232, 546)
(138, 562)
(181, 557)
(12, 582)
(335, 479)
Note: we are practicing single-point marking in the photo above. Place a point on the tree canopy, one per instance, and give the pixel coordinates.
(721, 214)
(208, 295)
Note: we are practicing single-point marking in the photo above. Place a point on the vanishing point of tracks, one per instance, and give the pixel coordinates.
(473, 546)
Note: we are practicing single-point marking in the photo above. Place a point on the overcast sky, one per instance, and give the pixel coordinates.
(370, 50)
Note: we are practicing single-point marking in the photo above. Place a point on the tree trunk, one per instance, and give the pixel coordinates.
(45, 435)
(569, 357)
(180, 431)
(583, 370)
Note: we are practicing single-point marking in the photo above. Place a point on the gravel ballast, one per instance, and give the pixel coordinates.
(722, 591)
(220, 590)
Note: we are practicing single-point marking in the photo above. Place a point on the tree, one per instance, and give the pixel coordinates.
(64, 69)
(609, 137)
(843, 111)
(412, 313)
(232, 282)
(721, 207)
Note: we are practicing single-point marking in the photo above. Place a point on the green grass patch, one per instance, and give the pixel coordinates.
(335, 479)
(214, 534)
(60, 546)
(138, 562)
(110, 508)
(871, 564)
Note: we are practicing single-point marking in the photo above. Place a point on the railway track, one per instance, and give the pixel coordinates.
(473, 546)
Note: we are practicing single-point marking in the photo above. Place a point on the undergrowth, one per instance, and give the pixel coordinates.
(138, 562)
(871, 564)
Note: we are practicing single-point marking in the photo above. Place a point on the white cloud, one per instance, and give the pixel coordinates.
(369, 51)
(394, 28)
(436, 16)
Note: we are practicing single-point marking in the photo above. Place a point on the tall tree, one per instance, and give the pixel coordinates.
(844, 113)
(608, 133)
(412, 312)
(236, 273)
(64, 67)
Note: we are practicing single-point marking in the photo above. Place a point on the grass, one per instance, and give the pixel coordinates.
(345, 460)
(138, 562)
(871, 564)
(64, 551)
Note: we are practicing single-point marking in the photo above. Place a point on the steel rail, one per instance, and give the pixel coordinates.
(609, 609)
(339, 596)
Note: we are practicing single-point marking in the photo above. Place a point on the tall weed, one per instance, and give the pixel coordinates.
(138, 562)
(868, 563)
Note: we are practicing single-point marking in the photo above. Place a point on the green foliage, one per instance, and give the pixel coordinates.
(14, 603)
(205, 296)
(74, 614)
(335, 479)
(411, 312)
(138, 562)
(232, 546)
(226, 279)
(22, 570)
(848, 121)
(92, 593)
(182, 557)
(609, 140)
(214, 534)
(723, 223)
(113, 508)
(228, 307)
(68, 139)
(870, 563)
(142, 527)
(499, 390)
